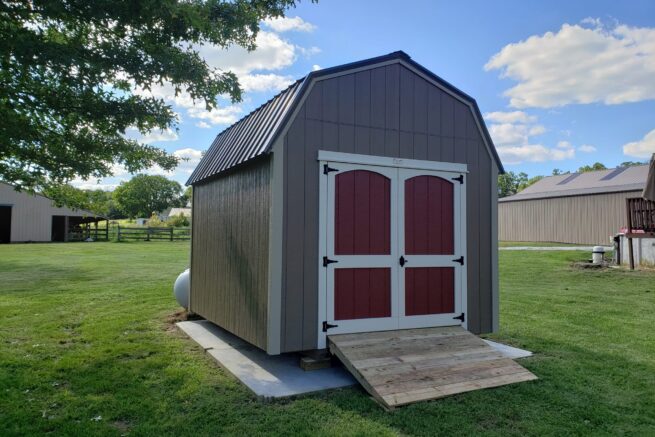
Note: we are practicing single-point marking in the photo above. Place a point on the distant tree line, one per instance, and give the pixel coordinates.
(511, 183)
(141, 196)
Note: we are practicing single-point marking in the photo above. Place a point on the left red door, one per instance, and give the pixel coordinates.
(360, 258)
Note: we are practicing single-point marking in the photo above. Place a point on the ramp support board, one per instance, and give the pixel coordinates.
(411, 365)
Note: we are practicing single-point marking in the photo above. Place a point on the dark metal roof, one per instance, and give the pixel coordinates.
(255, 134)
(247, 138)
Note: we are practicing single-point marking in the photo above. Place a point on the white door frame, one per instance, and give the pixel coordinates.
(357, 161)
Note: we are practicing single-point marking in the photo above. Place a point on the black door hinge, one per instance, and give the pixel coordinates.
(327, 169)
(459, 260)
(460, 317)
(402, 261)
(327, 326)
(459, 178)
(327, 261)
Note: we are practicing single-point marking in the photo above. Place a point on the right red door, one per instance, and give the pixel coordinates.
(431, 246)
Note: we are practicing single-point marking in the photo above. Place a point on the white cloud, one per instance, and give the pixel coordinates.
(533, 153)
(513, 135)
(264, 82)
(222, 115)
(642, 148)
(316, 67)
(158, 136)
(509, 117)
(587, 148)
(580, 64)
(285, 24)
(272, 53)
(254, 70)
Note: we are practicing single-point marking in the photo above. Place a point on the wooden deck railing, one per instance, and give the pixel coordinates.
(641, 222)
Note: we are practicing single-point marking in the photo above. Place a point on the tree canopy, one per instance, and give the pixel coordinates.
(144, 195)
(593, 167)
(69, 70)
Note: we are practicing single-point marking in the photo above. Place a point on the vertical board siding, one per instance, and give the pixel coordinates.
(589, 219)
(385, 111)
(231, 233)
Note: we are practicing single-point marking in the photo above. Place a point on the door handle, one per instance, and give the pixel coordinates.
(402, 261)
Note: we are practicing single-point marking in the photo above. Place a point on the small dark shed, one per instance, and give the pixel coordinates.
(361, 198)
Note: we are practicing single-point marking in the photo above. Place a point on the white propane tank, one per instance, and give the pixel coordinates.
(181, 289)
(597, 254)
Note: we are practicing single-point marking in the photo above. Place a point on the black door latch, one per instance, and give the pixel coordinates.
(459, 260)
(460, 317)
(327, 326)
(402, 261)
(327, 261)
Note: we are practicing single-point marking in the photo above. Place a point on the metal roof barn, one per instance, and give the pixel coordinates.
(361, 198)
(580, 208)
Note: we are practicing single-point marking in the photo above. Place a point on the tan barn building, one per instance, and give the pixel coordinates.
(581, 208)
(28, 217)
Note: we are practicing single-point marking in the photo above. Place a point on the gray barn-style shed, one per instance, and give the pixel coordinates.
(361, 198)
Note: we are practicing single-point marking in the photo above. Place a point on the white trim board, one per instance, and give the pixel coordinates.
(384, 161)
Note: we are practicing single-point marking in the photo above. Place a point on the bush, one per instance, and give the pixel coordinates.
(179, 221)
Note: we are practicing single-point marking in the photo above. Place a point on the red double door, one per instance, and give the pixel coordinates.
(394, 248)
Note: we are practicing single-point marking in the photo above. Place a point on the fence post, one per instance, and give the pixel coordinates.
(118, 235)
(148, 233)
(171, 230)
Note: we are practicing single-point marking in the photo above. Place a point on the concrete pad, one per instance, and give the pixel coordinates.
(509, 351)
(267, 376)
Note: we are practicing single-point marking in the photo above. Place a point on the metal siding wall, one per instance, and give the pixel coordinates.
(386, 111)
(231, 237)
(31, 215)
(587, 219)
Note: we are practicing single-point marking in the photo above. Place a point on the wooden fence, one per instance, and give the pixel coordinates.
(152, 234)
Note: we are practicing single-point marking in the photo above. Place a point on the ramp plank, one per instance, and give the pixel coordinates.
(411, 365)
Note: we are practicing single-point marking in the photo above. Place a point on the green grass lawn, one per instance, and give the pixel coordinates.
(538, 244)
(88, 348)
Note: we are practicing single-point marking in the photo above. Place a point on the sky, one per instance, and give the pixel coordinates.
(561, 84)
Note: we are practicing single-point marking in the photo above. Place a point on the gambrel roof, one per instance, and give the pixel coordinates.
(255, 134)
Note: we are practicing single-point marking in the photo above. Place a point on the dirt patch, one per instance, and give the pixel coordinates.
(123, 426)
(179, 316)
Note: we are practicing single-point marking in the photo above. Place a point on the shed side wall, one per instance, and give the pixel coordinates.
(589, 219)
(230, 251)
(385, 111)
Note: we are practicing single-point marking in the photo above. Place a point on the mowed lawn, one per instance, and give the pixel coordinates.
(88, 348)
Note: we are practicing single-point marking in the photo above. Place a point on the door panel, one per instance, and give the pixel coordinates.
(428, 216)
(429, 290)
(362, 293)
(362, 213)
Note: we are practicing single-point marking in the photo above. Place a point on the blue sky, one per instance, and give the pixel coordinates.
(561, 84)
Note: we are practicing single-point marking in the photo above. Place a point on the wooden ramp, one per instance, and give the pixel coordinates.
(411, 365)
